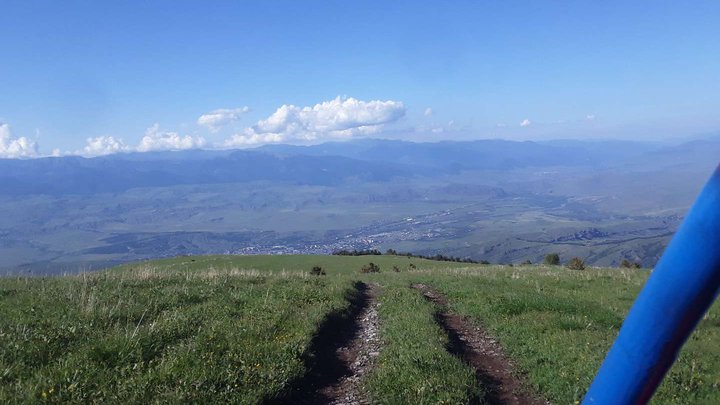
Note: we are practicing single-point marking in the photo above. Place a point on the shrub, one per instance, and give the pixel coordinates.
(317, 271)
(552, 259)
(629, 265)
(576, 263)
(393, 252)
(370, 268)
(484, 262)
(526, 263)
(368, 252)
(396, 269)
(413, 266)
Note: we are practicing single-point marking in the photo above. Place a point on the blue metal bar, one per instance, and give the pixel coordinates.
(675, 297)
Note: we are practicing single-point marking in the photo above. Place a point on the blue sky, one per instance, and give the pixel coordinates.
(147, 71)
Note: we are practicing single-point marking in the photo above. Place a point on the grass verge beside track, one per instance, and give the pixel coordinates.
(149, 335)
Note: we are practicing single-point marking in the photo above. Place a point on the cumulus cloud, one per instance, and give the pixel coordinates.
(216, 119)
(104, 145)
(428, 112)
(250, 139)
(335, 119)
(157, 140)
(11, 147)
(154, 140)
(526, 122)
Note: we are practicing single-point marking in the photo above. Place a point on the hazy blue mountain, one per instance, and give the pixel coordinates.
(494, 200)
(76, 175)
(326, 164)
(478, 155)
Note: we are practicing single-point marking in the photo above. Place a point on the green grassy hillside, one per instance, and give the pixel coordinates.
(240, 329)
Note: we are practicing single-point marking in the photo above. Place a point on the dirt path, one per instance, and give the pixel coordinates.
(478, 349)
(359, 355)
(341, 353)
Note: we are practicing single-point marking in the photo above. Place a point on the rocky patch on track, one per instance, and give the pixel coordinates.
(343, 351)
(359, 356)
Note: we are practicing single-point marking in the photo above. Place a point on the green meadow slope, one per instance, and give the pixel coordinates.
(242, 329)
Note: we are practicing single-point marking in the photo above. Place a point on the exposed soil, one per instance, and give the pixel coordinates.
(341, 353)
(494, 371)
(359, 356)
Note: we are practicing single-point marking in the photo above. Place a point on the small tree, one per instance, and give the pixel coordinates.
(370, 268)
(317, 271)
(629, 265)
(526, 263)
(552, 259)
(576, 263)
(484, 262)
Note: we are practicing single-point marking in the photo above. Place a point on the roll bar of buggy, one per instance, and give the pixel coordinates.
(674, 299)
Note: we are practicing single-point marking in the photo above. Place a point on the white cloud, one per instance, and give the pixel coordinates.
(253, 139)
(335, 119)
(103, 145)
(156, 140)
(16, 147)
(526, 122)
(214, 120)
(590, 117)
(428, 112)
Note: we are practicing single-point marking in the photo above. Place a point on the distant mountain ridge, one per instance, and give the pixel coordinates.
(324, 164)
(501, 201)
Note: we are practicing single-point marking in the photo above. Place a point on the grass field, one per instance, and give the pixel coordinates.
(240, 329)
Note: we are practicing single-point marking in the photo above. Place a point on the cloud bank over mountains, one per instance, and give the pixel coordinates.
(154, 140)
(103, 145)
(157, 140)
(340, 118)
(11, 147)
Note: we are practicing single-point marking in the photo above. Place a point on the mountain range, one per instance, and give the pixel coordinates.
(495, 200)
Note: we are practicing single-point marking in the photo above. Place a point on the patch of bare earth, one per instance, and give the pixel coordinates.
(496, 373)
(359, 356)
(342, 352)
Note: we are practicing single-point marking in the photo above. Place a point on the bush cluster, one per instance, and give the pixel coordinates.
(370, 268)
(629, 265)
(576, 263)
(393, 252)
(367, 252)
(552, 259)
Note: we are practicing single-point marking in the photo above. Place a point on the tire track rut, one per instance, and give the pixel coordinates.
(478, 349)
(342, 352)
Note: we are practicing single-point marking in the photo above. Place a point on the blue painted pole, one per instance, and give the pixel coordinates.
(675, 297)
